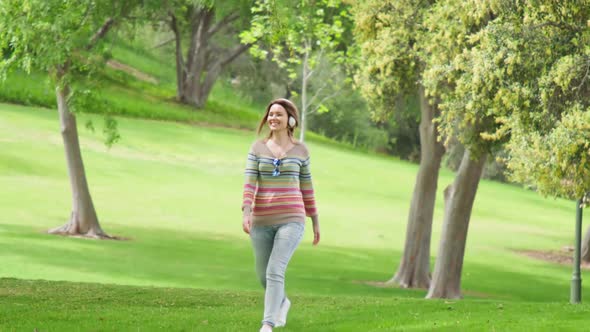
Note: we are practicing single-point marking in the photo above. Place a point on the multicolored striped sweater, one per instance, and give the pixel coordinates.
(279, 189)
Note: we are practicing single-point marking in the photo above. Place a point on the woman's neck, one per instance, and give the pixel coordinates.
(281, 138)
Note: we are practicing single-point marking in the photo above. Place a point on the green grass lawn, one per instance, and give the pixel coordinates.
(94, 307)
(174, 191)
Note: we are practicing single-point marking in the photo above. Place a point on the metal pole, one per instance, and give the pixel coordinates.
(576, 290)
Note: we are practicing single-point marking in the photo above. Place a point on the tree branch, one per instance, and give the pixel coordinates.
(585, 77)
(306, 74)
(165, 42)
(559, 25)
(84, 17)
(100, 33)
(330, 96)
(232, 55)
(309, 74)
(317, 93)
(222, 23)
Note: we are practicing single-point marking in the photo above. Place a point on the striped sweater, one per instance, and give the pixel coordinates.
(281, 193)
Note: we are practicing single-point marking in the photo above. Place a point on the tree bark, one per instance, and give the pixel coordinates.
(304, 81)
(180, 68)
(586, 247)
(459, 198)
(414, 269)
(83, 219)
(197, 57)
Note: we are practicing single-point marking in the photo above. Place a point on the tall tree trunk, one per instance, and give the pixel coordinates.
(206, 85)
(197, 57)
(180, 66)
(305, 77)
(83, 219)
(586, 247)
(414, 269)
(459, 198)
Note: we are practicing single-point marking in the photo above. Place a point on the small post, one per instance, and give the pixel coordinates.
(576, 290)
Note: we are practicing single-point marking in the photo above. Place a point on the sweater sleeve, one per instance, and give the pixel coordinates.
(250, 179)
(306, 187)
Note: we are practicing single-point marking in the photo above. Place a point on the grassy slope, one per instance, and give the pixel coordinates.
(124, 95)
(174, 190)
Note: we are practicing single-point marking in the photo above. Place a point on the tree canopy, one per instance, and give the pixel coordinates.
(304, 35)
(390, 35)
(523, 82)
(60, 37)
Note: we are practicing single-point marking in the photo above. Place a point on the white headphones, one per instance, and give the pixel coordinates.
(292, 122)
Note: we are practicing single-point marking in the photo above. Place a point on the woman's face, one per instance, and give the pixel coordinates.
(277, 118)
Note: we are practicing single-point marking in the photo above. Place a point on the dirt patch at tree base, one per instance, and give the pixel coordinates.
(390, 284)
(565, 256)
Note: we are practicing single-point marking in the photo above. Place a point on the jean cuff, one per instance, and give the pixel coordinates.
(268, 323)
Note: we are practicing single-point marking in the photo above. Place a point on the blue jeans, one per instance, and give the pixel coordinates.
(274, 246)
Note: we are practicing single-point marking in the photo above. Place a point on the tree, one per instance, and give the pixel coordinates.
(453, 72)
(520, 81)
(549, 145)
(63, 38)
(302, 35)
(203, 23)
(390, 33)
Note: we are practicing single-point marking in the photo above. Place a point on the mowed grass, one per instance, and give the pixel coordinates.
(174, 191)
(94, 307)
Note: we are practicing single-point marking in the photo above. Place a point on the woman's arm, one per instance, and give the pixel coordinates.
(250, 183)
(306, 186)
(307, 192)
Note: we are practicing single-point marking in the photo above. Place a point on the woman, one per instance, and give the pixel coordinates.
(278, 186)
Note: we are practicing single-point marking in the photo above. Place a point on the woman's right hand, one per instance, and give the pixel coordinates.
(246, 222)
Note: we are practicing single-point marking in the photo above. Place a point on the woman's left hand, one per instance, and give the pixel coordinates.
(316, 234)
(316, 230)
